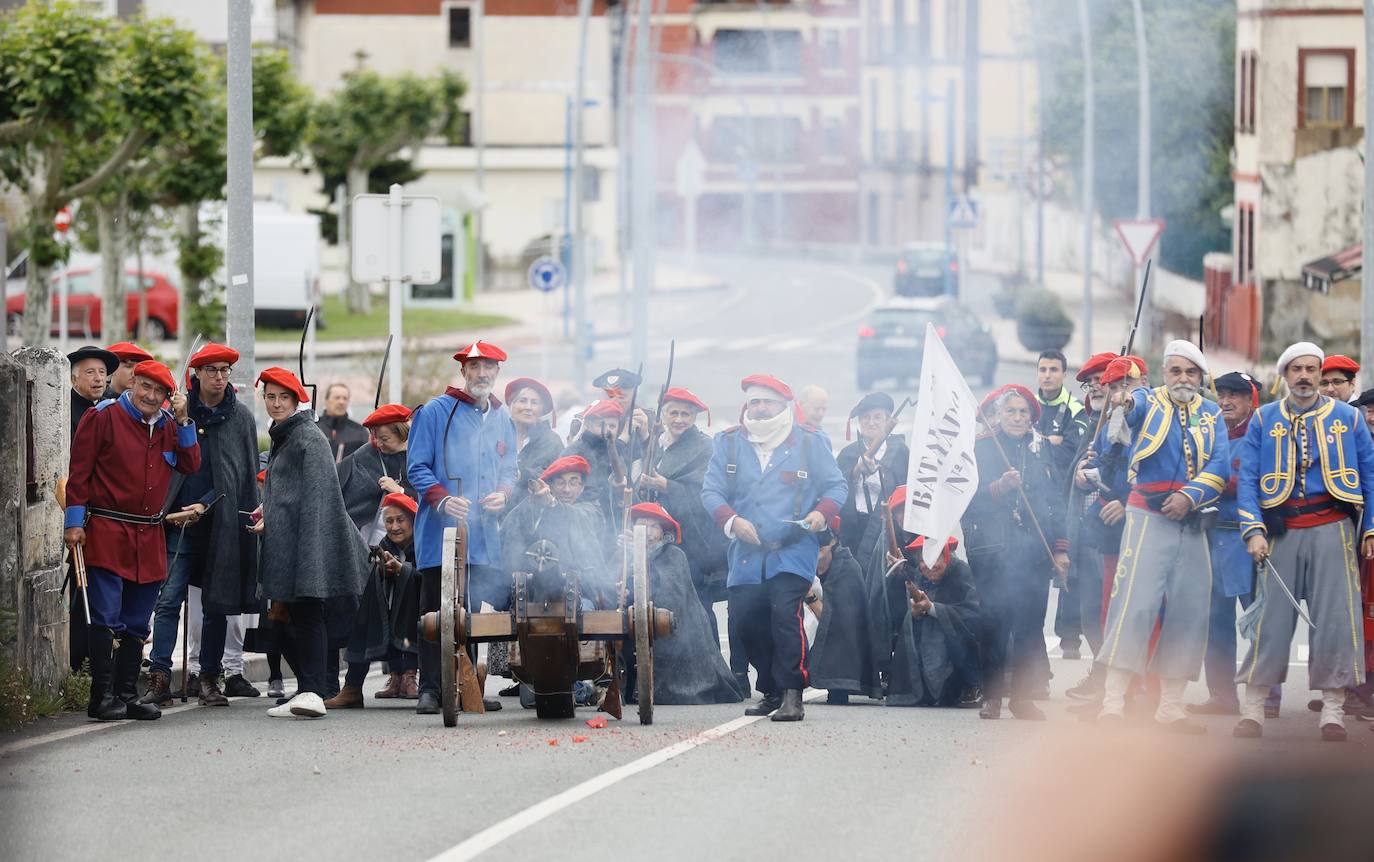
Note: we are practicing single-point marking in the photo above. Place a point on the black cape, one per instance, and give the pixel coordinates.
(597, 488)
(343, 432)
(310, 548)
(683, 464)
(229, 440)
(688, 666)
(540, 450)
(935, 657)
(358, 477)
(80, 404)
(388, 613)
(892, 469)
(841, 659)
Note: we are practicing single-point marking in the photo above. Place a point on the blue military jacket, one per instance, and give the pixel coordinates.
(768, 497)
(1162, 452)
(470, 457)
(1343, 466)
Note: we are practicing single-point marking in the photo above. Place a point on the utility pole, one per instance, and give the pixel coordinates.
(239, 254)
(1142, 170)
(645, 177)
(479, 142)
(1089, 178)
(1366, 270)
(579, 239)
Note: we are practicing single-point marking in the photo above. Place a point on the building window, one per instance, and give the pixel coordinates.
(1245, 242)
(1246, 66)
(833, 136)
(769, 140)
(460, 27)
(751, 52)
(1326, 87)
(832, 49)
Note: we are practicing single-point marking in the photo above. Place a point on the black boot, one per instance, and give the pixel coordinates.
(791, 709)
(767, 706)
(104, 706)
(127, 661)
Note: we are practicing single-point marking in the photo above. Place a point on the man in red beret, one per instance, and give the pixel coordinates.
(122, 462)
(129, 355)
(772, 485)
(599, 441)
(1338, 378)
(213, 561)
(461, 461)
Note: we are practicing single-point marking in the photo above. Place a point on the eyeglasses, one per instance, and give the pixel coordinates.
(217, 371)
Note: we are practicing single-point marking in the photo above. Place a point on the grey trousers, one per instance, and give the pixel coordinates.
(1317, 564)
(1164, 567)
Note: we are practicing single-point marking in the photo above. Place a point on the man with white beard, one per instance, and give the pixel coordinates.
(772, 485)
(1179, 462)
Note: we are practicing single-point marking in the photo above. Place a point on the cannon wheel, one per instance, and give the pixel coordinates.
(448, 663)
(644, 641)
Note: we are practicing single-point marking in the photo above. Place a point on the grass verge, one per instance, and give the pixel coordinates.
(21, 701)
(342, 326)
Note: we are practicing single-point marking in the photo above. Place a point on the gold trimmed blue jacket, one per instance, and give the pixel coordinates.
(1269, 469)
(1178, 445)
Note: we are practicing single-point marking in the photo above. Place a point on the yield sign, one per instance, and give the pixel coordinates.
(1139, 236)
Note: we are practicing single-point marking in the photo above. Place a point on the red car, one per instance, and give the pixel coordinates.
(83, 306)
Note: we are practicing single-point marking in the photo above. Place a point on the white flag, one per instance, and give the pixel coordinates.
(942, 475)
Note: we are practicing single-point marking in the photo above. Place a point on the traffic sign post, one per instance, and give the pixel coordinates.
(1140, 235)
(546, 275)
(395, 239)
(961, 215)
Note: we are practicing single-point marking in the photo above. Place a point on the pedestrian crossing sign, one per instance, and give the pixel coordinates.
(962, 212)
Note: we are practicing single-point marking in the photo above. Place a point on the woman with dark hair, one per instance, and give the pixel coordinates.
(536, 443)
(310, 550)
(1017, 511)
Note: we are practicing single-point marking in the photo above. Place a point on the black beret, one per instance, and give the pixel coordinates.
(617, 378)
(1366, 398)
(1237, 381)
(873, 401)
(92, 352)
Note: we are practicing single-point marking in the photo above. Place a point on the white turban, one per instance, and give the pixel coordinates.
(1189, 351)
(1302, 348)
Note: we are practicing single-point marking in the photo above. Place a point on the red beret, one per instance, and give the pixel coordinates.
(767, 381)
(479, 349)
(286, 380)
(387, 414)
(605, 407)
(156, 372)
(127, 350)
(686, 396)
(1336, 362)
(262, 475)
(658, 513)
(566, 464)
(898, 498)
(213, 352)
(401, 501)
(991, 399)
(1096, 364)
(514, 387)
(1123, 368)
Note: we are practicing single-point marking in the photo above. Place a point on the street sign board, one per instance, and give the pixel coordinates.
(963, 212)
(547, 274)
(421, 238)
(1139, 236)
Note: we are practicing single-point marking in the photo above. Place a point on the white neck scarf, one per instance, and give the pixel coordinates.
(768, 434)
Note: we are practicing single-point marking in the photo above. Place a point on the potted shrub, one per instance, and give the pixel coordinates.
(1041, 323)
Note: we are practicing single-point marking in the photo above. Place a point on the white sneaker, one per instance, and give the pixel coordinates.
(307, 705)
(281, 710)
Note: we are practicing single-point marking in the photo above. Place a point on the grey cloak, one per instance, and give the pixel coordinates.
(359, 474)
(540, 449)
(683, 464)
(310, 548)
(688, 666)
(388, 612)
(841, 659)
(934, 657)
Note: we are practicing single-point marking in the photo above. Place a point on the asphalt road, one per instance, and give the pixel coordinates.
(861, 781)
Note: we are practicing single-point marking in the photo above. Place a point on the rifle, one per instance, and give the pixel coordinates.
(300, 360)
(872, 448)
(377, 398)
(1125, 350)
(657, 430)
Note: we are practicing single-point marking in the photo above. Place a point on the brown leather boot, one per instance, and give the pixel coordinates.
(410, 689)
(349, 697)
(393, 688)
(210, 695)
(159, 689)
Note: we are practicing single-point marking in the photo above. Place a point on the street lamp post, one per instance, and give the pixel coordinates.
(1366, 270)
(1142, 181)
(1085, 24)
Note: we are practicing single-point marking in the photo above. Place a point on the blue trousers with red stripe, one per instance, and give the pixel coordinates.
(769, 617)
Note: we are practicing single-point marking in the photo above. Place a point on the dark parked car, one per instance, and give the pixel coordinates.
(921, 269)
(892, 342)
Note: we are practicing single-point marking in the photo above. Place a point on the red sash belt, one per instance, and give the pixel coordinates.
(1155, 490)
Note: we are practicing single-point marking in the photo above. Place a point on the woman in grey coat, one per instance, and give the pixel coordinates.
(310, 549)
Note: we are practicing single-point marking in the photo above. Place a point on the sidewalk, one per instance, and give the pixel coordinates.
(525, 305)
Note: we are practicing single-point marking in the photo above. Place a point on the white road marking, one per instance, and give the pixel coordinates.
(493, 835)
(790, 344)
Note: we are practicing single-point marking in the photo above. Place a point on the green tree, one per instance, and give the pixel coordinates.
(1191, 47)
(370, 119)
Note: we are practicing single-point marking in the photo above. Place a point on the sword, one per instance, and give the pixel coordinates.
(381, 375)
(300, 360)
(180, 380)
(1288, 594)
(79, 561)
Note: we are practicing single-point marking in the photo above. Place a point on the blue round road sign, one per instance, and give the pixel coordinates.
(547, 274)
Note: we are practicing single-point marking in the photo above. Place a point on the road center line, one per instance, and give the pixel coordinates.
(493, 835)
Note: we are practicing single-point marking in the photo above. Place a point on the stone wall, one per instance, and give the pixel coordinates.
(33, 461)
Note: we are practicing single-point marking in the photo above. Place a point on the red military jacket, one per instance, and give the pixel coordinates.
(122, 464)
